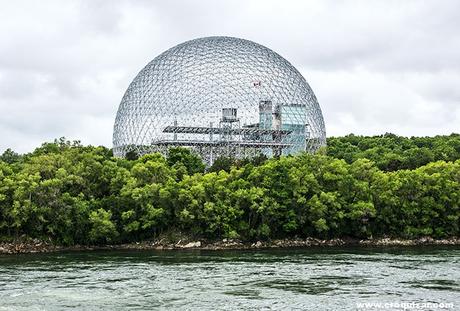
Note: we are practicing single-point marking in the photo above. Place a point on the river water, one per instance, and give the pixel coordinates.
(303, 279)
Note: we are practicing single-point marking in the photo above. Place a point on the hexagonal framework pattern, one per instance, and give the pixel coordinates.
(182, 96)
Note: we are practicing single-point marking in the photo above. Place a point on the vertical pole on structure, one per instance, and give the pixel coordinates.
(210, 132)
(211, 160)
(175, 133)
(211, 148)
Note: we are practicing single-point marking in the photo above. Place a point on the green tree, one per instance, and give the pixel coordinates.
(103, 230)
(184, 156)
(222, 163)
(10, 157)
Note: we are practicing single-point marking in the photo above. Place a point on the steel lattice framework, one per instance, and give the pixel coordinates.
(219, 96)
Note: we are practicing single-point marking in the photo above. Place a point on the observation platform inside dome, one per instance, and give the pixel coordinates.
(280, 128)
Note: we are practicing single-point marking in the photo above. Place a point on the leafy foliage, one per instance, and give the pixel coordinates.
(391, 152)
(186, 158)
(362, 187)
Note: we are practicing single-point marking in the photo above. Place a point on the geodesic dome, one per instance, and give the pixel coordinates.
(219, 95)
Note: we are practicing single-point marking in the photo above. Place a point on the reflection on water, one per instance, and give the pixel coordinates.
(323, 279)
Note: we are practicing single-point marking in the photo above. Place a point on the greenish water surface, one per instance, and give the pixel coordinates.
(303, 279)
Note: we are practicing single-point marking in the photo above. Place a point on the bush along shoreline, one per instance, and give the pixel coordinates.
(357, 189)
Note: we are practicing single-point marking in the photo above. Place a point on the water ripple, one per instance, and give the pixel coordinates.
(317, 278)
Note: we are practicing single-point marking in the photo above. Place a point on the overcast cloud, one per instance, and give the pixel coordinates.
(375, 66)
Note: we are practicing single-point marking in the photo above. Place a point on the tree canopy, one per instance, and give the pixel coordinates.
(361, 187)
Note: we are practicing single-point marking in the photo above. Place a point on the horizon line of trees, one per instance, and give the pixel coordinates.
(358, 187)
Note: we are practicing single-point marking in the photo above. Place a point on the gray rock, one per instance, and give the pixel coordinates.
(192, 244)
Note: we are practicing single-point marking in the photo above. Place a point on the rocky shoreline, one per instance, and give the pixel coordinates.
(37, 246)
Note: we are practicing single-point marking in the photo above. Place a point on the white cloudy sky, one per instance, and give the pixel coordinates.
(375, 66)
